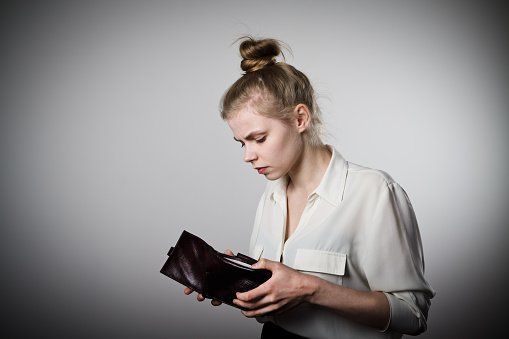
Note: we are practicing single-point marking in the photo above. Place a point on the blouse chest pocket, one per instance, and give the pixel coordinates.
(327, 265)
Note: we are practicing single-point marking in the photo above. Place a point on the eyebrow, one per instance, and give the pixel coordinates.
(250, 135)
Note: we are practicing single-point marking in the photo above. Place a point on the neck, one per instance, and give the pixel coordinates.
(309, 169)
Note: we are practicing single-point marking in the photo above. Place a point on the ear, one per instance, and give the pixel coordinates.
(302, 117)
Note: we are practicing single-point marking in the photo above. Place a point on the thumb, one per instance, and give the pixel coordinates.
(262, 263)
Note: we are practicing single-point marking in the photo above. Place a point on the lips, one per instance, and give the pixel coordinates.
(261, 170)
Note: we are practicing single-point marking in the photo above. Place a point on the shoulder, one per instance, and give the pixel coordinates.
(375, 189)
(368, 186)
(368, 177)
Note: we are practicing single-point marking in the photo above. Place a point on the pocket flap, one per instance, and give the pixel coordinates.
(320, 261)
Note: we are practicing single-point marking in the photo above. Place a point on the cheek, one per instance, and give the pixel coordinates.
(281, 148)
(278, 156)
(275, 151)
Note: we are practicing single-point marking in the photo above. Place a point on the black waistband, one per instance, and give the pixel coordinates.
(271, 330)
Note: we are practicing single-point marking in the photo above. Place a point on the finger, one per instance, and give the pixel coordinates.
(261, 312)
(264, 263)
(200, 297)
(255, 294)
(229, 252)
(215, 302)
(254, 304)
(188, 291)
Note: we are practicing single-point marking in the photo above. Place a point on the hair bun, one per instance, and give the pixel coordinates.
(257, 54)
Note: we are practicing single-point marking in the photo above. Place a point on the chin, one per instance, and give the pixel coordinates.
(272, 176)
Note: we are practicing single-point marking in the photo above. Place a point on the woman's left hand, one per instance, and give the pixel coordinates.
(284, 290)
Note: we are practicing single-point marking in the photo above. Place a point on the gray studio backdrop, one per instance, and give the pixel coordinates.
(112, 144)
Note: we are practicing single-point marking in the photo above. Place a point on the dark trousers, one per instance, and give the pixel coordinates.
(273, 331)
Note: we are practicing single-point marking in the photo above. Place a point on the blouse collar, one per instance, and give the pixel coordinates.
(331, 186)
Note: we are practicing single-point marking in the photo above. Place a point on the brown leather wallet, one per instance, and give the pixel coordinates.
(195, 264)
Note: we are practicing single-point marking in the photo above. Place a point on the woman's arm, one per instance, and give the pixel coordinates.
(289, 287)
(369, 308)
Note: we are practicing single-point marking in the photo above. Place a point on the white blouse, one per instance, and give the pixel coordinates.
(358, 230)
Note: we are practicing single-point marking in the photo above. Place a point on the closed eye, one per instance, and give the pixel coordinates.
(259, 141)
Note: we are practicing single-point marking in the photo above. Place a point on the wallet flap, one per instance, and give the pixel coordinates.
(188, 260)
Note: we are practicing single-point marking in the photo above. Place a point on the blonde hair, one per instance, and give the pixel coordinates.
(273, 88)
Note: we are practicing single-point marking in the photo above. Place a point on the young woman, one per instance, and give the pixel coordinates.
(341, 240)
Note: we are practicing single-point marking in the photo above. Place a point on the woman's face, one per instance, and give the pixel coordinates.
(268, 143)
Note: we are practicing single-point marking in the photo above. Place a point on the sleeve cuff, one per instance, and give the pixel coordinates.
(390, 314)
(402, 318)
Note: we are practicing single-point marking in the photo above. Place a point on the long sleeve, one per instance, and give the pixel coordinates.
(393, 260)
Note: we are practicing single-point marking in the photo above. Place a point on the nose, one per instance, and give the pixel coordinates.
(249, 154)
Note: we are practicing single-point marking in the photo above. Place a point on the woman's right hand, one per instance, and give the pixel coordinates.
(200, 297)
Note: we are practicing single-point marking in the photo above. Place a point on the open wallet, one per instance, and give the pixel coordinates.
(195, 264)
